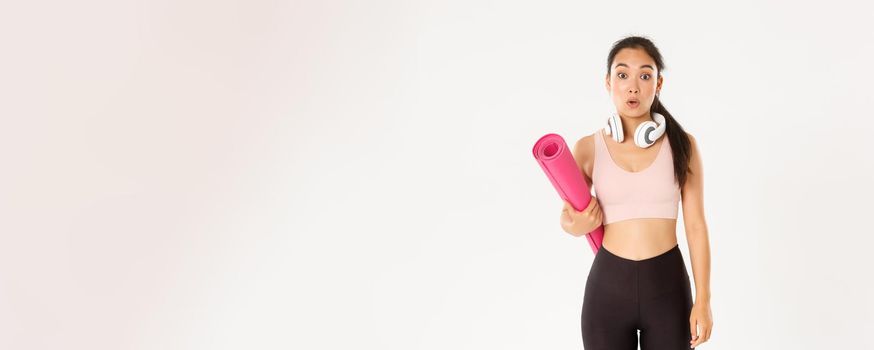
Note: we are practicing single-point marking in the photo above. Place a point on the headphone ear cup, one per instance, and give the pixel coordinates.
(614, 123)
(646, 135)
(650, 131)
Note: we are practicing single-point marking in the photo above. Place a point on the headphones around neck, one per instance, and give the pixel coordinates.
(646, 134)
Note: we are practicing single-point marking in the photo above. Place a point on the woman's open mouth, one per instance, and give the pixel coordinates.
(632, 104)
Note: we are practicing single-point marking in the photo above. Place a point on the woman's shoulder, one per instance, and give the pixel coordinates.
(585, 145)
(584, 151)
(691, 138)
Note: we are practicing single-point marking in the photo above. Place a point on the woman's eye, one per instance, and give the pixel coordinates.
(646, 75)
(621, 75)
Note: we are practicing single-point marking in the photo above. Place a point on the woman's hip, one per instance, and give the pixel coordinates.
(647, 277)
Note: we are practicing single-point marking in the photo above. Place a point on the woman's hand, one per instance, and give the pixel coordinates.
(700, 317)
(582, 222)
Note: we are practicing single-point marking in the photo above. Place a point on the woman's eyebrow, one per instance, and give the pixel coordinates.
(643, 66)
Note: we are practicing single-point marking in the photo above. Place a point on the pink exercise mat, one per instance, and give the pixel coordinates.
(557, 161)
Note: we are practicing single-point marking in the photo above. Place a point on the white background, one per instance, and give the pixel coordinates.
(327, 175)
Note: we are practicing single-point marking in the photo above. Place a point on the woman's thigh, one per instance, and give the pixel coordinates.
(610, 310)
(665, 303)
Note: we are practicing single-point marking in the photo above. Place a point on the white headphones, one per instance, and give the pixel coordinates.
(646, 135)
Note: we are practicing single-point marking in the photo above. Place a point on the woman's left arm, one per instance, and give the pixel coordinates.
(700, 320)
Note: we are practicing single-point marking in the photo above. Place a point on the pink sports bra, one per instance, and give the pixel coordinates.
(622, 195)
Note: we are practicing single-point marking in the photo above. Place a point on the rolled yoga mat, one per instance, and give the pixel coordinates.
(557, 161)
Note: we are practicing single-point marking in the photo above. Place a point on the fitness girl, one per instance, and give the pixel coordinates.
(638, 285)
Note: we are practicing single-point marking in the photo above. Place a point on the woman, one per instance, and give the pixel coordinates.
(638, 281)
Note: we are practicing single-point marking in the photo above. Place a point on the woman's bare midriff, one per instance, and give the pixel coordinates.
(638, 239)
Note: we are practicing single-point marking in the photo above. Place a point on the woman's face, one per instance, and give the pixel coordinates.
(632, 77)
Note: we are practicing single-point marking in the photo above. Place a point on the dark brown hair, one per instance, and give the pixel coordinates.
(680, 143)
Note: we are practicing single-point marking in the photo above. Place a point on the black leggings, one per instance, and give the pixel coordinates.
(623, 296)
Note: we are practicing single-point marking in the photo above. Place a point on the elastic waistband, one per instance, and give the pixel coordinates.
(673, 252)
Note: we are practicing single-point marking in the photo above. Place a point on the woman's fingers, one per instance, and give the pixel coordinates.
(591, 213)
(700, 331)
(590, 205)
(569, 208)
(694, 331)
(702, 336)
(707, 334)
(701, 339)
